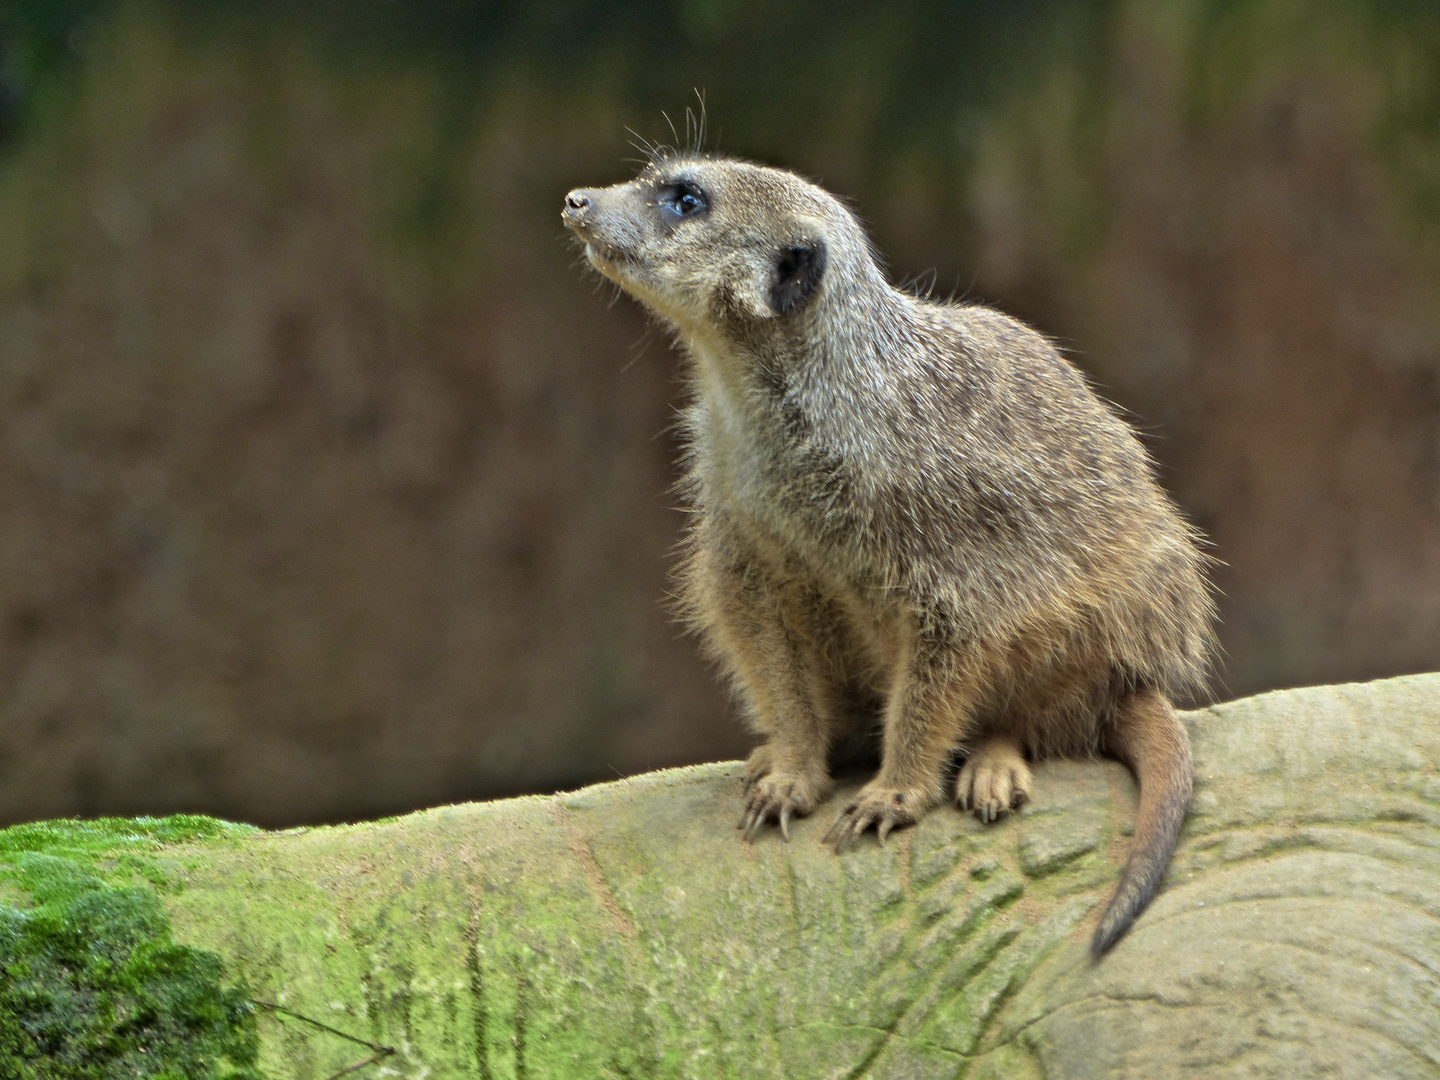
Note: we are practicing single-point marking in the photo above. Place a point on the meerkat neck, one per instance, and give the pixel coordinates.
(825, 379)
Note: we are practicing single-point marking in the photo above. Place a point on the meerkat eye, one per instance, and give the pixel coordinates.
(682, 199)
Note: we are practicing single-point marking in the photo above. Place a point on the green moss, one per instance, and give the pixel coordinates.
(105, 835)
(92, 982)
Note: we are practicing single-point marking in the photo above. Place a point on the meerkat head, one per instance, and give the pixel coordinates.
(710, 242)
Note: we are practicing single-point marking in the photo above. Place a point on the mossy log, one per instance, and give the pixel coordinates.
(627, 931)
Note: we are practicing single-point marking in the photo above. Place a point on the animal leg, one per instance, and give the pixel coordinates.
(767, 632)
(929, 706)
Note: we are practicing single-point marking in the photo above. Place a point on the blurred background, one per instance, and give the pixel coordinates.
(331, 486)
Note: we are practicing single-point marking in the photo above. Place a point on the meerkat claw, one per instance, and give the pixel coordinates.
(851, 836)
(885, 809)
(846, 831)
(775, 798)
(757, 819)
(753, 820)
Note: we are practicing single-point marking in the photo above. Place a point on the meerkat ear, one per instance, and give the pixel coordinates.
(795, 274)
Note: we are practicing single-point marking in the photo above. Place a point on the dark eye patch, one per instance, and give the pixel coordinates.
(679, 199)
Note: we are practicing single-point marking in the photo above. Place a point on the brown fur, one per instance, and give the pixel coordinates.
(910, 503)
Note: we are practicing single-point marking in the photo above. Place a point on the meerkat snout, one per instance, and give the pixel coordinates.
(913, 503)
(577, 209)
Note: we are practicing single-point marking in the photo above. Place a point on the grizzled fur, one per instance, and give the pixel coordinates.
(917, 505)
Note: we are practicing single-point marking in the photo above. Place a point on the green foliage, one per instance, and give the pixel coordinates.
(92, 982)
(38, 40)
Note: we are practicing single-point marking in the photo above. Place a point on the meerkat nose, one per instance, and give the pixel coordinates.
(577, 204)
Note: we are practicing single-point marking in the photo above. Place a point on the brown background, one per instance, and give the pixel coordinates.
(332, 486)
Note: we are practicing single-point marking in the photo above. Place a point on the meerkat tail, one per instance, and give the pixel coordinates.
(1148, 736)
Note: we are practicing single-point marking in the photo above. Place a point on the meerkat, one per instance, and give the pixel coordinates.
(915, 503)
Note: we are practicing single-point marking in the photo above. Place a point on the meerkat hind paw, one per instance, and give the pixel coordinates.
(994, 781)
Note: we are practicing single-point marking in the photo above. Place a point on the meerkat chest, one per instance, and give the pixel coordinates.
(741, 447)
(771, 461)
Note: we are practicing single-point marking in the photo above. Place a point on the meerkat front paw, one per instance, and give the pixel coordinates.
(879, 805)
(776, 794)
(994, 781)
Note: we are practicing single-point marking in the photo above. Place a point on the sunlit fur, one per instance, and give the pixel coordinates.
(916, 504)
